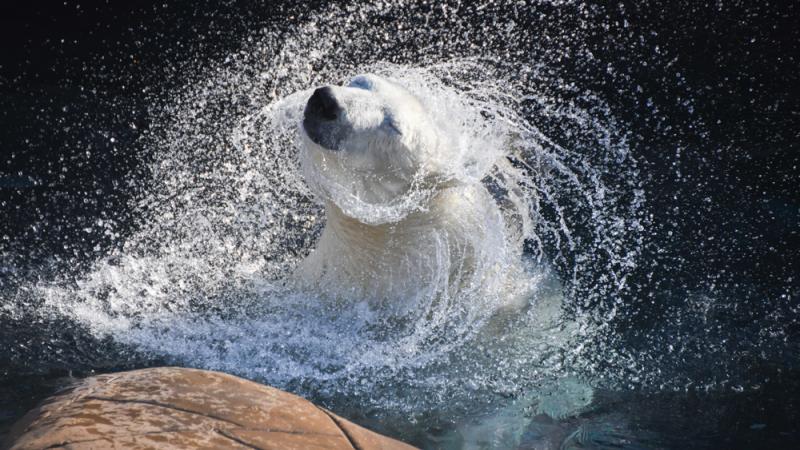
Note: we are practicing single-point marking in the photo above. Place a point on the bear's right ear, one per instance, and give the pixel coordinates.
(362, 82)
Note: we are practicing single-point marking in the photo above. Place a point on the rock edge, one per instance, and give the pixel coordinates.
(177, 408)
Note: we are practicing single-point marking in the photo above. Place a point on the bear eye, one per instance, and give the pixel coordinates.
(389, 122)
(361, 83)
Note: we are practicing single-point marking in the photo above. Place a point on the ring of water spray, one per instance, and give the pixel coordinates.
(226, 215)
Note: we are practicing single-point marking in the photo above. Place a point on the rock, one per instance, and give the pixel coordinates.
(169, 407)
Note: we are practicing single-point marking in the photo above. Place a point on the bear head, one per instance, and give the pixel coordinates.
(371, 148)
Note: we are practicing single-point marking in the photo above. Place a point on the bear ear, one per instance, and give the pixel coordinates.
(362, 82)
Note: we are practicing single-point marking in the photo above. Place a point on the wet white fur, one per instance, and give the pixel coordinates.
(435, 244)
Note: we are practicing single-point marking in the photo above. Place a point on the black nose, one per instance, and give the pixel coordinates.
(322, 105)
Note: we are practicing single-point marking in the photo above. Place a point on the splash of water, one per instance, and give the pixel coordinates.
(227, 221)
(225, 216)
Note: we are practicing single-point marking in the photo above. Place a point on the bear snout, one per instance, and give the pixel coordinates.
(320, 119)
(322, 105)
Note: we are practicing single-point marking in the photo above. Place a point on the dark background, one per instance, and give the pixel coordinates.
(711, 97)
(72, 75)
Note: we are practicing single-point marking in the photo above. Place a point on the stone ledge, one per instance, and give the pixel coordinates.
(176, 408)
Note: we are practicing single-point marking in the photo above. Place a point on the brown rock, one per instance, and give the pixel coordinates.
(166, 408)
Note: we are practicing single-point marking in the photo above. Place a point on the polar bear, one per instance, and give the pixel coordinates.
(399, 223)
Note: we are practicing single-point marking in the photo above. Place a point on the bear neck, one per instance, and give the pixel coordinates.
(357, 234)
